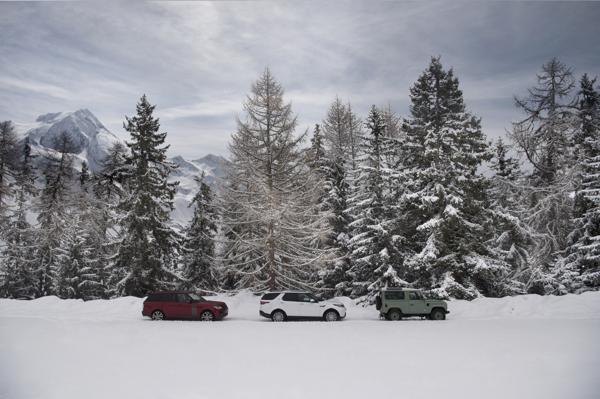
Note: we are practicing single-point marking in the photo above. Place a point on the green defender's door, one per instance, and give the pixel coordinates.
(415, 303)
(393, 300)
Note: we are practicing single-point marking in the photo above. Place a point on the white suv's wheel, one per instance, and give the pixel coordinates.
(158, 315)
(331, 315)
(278, 316)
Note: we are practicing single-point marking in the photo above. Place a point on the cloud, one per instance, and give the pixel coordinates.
(197, 61)
(205, 108)
(45, 89)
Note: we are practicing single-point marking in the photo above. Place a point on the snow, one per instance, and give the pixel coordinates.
(515, 347)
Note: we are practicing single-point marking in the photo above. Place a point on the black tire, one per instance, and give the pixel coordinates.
(437, 314)
(157, 315)
(207, 315)
(394, 315)
(331, 315)
(278, 315)
(378, 302)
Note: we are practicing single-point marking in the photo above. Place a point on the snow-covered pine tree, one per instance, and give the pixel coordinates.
(198, 250)
(17, 260)
(52, 207)
(8, 149)
(373, 245)
(393, 123)
(269, 213)
(545, 136)
(316, 152)
(334, 278)
(82, 261)
(335, 130)
(342, 140)
(332, 197)
(512, 239)
(444, 200)
(107, 186)
(579, 270)
(355, 133)
(148, 246)
(107, 183)
(342, 133)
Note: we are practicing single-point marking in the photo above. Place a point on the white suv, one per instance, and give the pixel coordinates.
(290, 305)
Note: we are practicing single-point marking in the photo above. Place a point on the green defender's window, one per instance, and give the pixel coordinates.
(394, 295)
(414, 295)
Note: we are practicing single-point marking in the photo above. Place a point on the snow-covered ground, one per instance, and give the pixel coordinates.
(520, 347)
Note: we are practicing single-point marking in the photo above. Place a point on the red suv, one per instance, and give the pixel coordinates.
(183, 305)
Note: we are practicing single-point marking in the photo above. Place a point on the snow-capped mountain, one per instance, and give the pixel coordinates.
(92, 142)
(213, 167)
(90, 139)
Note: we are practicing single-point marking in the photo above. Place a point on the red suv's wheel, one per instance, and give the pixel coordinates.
(158, 315)
(207, 316)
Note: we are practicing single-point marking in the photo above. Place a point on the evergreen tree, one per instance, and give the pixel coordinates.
(393, 123)
(108, 183)
(342, 134)
(199, 245)
(579, 270)
(8, 144)
(374, 248)
(108, 189)
(270, 218)
(53, 215)
(332, 198)
(82, 262)
(148, 246)
(17, 263)
(512, 239)
(316, 153)
(355, 132)
(444, 200)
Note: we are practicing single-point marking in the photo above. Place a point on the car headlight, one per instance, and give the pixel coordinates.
(339, 305)
(218, 307)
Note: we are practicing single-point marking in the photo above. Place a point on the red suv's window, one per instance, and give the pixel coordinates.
(183, 298)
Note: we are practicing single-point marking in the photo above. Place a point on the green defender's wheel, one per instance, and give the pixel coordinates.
(438, 314)
(394, 315)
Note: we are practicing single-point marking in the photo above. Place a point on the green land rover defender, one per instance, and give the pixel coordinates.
(396, 303)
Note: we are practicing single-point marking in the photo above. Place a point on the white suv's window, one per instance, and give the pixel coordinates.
(308, 298)
(292, 297)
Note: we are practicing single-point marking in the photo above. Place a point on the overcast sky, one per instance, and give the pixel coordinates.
(196, 61)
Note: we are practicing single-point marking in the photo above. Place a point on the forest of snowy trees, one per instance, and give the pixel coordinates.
(423, 200)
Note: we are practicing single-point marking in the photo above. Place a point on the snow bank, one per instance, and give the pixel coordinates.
(519, 347)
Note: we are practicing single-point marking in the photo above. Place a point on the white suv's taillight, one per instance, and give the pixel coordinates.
(264, 302)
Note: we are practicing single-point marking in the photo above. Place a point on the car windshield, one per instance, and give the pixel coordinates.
(196, 297)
